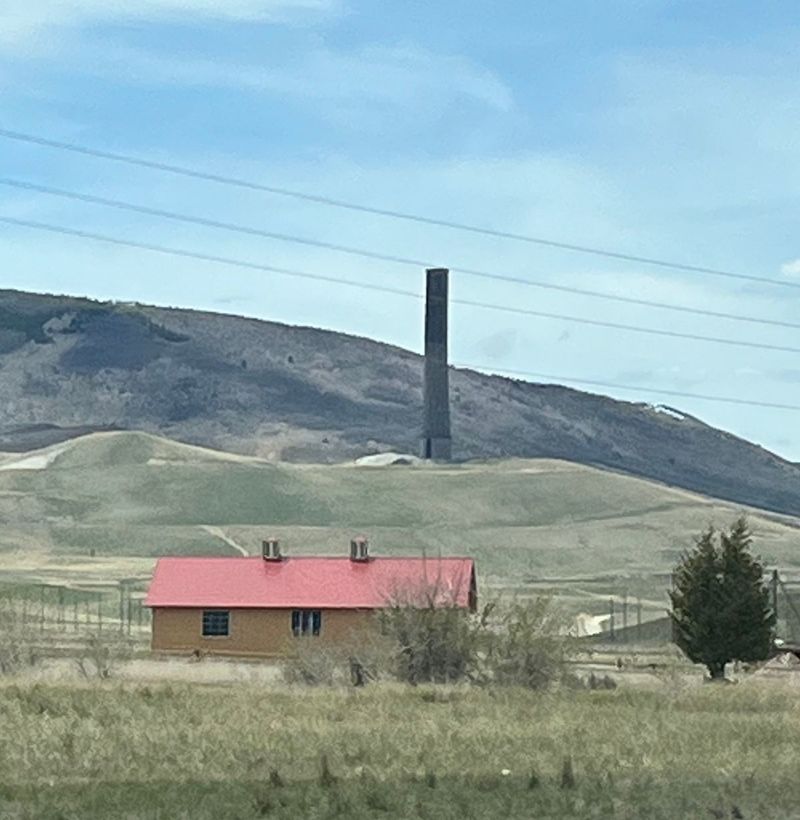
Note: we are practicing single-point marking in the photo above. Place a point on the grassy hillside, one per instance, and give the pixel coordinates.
(102, 506)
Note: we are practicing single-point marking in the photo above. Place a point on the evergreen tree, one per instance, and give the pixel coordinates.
(720, 604)
(748, 615)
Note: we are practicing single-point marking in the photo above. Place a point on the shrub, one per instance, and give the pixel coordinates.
(528, 647)
(100, 655)
(361, 658)
(424, 636)
(523, 644)
(434, 643)
(314, 666)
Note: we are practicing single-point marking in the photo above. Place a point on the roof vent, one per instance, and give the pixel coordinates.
(359, 549)
(271, 549)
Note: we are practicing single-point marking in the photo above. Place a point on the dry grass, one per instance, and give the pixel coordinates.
(112, 750)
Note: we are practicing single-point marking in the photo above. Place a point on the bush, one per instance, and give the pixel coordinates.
(520, 645)
(100, 655)
(358, 660)
(423, 636)
(434, 643)
(529, 648)
(315, 666)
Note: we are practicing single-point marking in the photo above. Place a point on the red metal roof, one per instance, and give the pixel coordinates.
(328, 582)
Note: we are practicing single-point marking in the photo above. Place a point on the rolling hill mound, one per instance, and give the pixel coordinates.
(71, 366)
(108, 503)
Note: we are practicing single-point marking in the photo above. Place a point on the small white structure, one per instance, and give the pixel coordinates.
(584, 624)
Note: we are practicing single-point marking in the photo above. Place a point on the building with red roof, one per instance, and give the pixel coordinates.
(262, 605)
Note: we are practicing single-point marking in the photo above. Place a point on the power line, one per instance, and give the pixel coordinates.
(203, 257)
(212, 223)
(384, 212)
(632, 328)
(616, 386)
(180, 252)
(368, 286)
(369, 254)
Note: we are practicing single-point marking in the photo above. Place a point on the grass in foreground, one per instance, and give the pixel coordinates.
(200, 752)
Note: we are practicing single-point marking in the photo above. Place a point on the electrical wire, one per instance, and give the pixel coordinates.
(558, 382)
(369, 254)
(203, 257)
(180, 252)
(369, 286)
(384, 212)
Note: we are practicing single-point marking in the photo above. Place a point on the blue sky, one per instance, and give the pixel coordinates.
(652, 127)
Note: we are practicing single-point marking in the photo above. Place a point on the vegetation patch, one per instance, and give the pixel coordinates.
(105, 750)
(19, 327)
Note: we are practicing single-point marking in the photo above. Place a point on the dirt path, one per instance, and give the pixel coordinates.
(218, 533)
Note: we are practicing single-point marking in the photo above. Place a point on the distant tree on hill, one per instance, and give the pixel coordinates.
(720, 604)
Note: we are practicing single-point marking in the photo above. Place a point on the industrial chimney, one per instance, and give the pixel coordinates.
(271, 549)
(436, 443)
(359, 549)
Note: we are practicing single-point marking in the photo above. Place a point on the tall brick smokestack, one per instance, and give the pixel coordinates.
(436, 442)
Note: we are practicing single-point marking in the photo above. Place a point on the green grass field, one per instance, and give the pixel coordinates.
(147, 751)
(100, 508)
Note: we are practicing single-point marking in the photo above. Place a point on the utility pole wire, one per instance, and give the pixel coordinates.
(202, 257)
(41, 226)
(384, 212)
(384, 257)
(631, 328)
(336, 280)
(558, 380)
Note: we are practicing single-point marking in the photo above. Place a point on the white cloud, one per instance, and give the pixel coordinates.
(372, 77)
(24, 20)
(791, 269)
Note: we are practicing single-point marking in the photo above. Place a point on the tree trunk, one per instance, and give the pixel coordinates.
(716, 670)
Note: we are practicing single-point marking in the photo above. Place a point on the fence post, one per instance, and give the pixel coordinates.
(611, 618)
(775, 600)
(791, 609)
(625, 616)
(639, 620)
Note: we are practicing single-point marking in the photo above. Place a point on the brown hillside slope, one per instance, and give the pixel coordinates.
(70, 365)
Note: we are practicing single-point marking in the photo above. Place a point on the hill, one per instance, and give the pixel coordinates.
(70, 366)
(102, 506)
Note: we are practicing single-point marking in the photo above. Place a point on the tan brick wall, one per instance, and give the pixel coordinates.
(258, 632)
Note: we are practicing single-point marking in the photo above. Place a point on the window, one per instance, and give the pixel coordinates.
(306, 622)
(216, 623)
